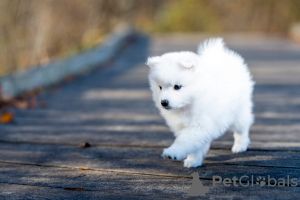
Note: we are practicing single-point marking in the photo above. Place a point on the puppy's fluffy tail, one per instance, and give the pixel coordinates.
(212, 45)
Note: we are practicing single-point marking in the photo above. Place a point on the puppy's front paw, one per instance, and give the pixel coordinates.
(192, 162)
(173, 154)
(237, 148)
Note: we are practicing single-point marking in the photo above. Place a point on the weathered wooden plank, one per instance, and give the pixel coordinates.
(15, 191)
(260, 145)
(139, 102)
(118, 185)
(56, 116)
(264, 133)
(136, 126)
(148, 161)
(143, 135)
(80, 118)
(91, 181)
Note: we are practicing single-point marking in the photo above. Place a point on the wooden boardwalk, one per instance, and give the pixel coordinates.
(112, 110)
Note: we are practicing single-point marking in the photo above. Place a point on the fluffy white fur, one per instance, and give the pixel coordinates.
(216, 95)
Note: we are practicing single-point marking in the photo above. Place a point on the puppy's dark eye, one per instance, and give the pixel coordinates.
(160, 87)
(177, 87)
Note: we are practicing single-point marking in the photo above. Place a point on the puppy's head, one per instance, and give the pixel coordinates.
(171, 79)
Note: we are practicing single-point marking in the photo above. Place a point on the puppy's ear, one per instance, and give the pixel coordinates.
(188, 64)
(153, 61)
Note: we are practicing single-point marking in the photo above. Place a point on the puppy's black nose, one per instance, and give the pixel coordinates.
(165, 103)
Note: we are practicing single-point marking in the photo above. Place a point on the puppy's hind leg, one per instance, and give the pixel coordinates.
(241, 132)
(241, 141)
(196, 159)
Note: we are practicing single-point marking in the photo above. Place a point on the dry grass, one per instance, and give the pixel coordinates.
(34, 31)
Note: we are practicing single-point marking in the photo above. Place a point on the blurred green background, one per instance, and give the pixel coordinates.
(33, 32)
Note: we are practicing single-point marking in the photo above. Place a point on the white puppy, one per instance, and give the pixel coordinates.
(201, 96)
